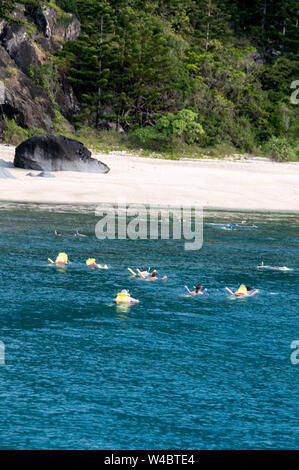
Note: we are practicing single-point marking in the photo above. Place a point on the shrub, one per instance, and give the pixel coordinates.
(150, 137)
(281, 150)
(169, 129)
(15, 134)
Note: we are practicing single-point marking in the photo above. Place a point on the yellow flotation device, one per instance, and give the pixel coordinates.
(242, 290)
(62, 258)
(91, 262)
(122, 298)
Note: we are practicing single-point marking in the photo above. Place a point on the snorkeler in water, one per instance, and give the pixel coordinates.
(243, 291)
(244, 224)
(154, 277)
(77, 234)
(277, 268)
(197, 290)
(124, 297)
(145, 272)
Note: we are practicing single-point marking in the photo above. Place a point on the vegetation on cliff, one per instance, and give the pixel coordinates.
(181, 73)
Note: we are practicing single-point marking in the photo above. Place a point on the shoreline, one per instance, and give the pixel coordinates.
(216, 185)
(70, 207)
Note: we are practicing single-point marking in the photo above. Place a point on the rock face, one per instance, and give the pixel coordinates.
(56, 153)
(16, 42)
(28, 38)
(25, 102)
(46, 20)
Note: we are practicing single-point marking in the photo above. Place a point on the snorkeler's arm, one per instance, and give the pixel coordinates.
(140, 273)
(228, 290)
(203, 292)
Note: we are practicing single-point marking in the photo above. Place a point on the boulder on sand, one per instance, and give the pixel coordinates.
(56, 153)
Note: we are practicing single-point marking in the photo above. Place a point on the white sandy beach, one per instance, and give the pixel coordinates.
(215, 184)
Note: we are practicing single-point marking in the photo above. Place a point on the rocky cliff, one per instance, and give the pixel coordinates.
(33, 99)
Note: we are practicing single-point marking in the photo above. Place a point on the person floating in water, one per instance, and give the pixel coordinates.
(124, 297)
(277, 268)
(144, 272)
(244, 224)
(77, 234)
(154, 277)
(197, 290)
(243, 291)
(57, 234)
(91, 262)
(62, 258)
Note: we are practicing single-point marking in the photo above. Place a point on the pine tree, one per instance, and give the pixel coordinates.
(88, 71)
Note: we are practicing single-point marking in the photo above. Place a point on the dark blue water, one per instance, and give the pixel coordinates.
(171, 372)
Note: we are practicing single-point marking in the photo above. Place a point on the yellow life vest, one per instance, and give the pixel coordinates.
(62, 258)
(122, 298)
(242, 290)
(91, 262)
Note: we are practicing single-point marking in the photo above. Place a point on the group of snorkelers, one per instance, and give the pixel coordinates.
(243, 291)
(150, 276)
(242, 224)
(62, 259)
(76, 234)
(125, 297)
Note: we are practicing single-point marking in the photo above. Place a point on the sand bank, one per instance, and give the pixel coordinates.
(254, 184)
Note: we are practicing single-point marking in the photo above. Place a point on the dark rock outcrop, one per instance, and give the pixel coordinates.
(17, 44)
(53, 31)
(28, 37)
(25, 102)
(56, 153)
(66, 99)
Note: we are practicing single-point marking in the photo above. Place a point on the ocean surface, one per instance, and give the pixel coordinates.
(172, 372)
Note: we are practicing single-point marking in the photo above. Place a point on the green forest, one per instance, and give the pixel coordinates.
(187, 74)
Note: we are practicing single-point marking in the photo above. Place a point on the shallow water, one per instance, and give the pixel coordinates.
(172, 372)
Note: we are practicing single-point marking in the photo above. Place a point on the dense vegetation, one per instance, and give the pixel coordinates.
(203, 72)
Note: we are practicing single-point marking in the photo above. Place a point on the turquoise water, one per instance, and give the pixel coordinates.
(171, 372)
